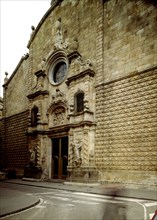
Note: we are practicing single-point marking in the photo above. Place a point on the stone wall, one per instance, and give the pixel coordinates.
(1, 142)
(80, 24)
(126, 135)
(16, 90)
(126, 82)
(15, 151)
(129, 37)
(118, 39)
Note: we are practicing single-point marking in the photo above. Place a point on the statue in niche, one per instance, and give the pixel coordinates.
(58, 37)
(44, 175)
(77, 153)
(60, 43)
(32, 160)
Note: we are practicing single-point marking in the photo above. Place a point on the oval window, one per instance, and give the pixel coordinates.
(59, 72)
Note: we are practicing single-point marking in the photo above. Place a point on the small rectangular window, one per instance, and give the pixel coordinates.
(80, 102)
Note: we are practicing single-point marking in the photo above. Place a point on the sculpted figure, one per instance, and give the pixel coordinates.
(32, 157)
(77, 151)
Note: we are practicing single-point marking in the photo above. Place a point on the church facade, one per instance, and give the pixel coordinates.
(82, 104)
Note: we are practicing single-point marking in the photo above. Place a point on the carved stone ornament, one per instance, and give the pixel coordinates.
(57, 110)
(66, 44)
(77, 147)
(59, 116)
(33, 156)
(59, 97)
(59, 42)
(81, 62)
(44, 175)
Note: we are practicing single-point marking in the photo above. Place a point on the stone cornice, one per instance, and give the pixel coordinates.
(89, 72)
(73, 55)
(40, 73)
(128, 76)
(38, 93)
(71, 125)
(60, 128)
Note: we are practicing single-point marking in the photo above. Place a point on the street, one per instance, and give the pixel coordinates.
(72, 205)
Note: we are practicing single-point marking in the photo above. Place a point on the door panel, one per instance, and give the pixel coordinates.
(55, 157)
(59, 157)
(64, 156)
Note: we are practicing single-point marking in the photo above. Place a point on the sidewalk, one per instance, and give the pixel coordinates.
(95, 188)
(13, 199)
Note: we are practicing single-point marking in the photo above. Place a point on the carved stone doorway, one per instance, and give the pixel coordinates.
(59, 157)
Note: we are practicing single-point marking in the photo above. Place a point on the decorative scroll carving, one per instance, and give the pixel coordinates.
(81, 62)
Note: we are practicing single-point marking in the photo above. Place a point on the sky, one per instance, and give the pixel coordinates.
(16, 19)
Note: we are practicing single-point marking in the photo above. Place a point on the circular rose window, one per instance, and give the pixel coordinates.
(59, 72)
(57, 67)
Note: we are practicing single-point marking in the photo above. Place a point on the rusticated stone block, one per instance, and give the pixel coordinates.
(15, 152)
(129, 127)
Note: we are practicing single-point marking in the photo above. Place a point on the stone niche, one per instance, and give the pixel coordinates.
(81, 162)
(33, 168)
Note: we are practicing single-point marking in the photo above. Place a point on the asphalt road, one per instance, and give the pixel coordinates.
(67, 205)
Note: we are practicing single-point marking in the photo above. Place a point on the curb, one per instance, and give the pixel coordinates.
(87, 190)
(20, 210)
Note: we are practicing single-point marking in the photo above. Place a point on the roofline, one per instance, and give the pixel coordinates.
(15, 70)
(54, 4)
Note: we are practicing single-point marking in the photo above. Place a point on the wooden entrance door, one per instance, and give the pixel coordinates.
(59, 157)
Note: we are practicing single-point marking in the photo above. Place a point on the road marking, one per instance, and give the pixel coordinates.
(145, 210)
(150, 204)
(60, 198)
(109, 197)
(90, 195)
(40, 204)
(85, 202)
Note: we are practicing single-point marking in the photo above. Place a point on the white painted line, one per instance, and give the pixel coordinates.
(40, 204)
(150, 204)
(85, 202)
(60, 198)
(109, 197)
(40, 207)
(145, 210)
(90, 195)
(86, 199)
